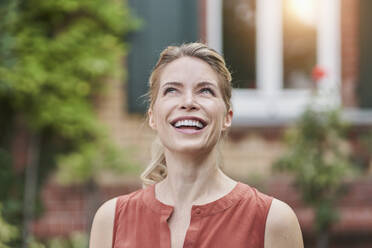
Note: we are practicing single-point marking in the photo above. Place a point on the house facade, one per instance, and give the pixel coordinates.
(273, 48)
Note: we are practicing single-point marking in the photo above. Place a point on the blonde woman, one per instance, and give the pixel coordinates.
(187, 200)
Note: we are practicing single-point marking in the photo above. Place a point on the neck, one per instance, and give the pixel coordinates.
(193, 179)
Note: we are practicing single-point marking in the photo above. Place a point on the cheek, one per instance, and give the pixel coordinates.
(157, 118)
(160, 112)
(217, 109)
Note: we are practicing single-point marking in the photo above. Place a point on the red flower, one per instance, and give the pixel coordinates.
(318, 73)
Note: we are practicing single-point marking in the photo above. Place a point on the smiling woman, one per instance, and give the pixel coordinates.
(194, 96)
(188, 201)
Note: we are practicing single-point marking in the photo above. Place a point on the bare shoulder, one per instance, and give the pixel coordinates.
(102, 227)
(282, 227)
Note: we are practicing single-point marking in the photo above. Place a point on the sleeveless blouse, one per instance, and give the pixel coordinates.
(236, 220)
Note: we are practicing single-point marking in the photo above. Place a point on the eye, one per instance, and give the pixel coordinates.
(207, 90)
(169, 90)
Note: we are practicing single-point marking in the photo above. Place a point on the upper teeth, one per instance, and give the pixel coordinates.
(190, 123)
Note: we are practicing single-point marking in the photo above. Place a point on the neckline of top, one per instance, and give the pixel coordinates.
(210, 208)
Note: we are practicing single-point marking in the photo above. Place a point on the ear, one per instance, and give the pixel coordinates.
(151, 119)
(228, 120)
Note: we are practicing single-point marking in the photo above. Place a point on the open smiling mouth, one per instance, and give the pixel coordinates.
(189, 125)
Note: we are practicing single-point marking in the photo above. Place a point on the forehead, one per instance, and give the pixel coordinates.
(188, 70)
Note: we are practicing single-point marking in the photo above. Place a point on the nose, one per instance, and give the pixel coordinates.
(188, 102)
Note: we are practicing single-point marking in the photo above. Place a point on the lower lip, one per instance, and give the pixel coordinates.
(188, 131)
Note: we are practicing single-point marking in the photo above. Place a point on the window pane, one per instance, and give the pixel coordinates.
(239, 41)
(299, 42)
(161, 27)
(365, 50)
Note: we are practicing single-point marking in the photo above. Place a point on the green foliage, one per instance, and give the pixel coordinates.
(83, 165)
(7, 231)
(366, 141)
(62, 51)
(364, 158)
(75, 240)
(55, 58)
(319, 159)
(32, 243)
(10, 196)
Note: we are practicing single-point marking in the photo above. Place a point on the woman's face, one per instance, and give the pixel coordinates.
(189, 113)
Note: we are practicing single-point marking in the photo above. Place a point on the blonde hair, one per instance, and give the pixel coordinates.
(156, 171)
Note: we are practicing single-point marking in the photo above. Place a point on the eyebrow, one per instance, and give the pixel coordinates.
(201, 84)
(178, 84)
(173, 84)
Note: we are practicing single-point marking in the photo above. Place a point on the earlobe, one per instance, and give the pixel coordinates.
(228, 120)
(151, 120)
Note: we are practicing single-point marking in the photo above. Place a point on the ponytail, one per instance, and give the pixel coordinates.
(156, 171)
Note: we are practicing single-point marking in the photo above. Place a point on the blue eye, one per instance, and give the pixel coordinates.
(207, 91)
(169, 90)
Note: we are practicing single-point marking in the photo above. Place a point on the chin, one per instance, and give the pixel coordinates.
(189, 147)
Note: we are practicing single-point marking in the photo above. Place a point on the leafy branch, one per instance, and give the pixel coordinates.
(319, 159)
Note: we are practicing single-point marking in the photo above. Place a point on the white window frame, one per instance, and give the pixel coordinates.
(270, 104)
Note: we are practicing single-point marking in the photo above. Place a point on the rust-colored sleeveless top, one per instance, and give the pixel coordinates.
(236, 220)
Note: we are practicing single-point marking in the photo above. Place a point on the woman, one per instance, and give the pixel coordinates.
(189, 201)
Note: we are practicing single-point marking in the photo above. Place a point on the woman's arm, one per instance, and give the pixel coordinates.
(282, 227)
(102, 227)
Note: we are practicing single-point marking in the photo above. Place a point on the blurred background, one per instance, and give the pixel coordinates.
(73, 74)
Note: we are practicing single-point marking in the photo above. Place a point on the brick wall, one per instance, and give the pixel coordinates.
(70, 208)
(130, 131)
